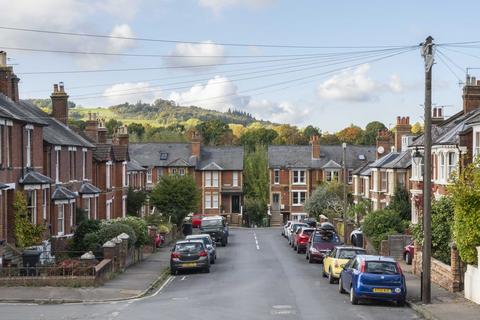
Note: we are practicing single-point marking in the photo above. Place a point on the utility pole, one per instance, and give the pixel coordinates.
(345, 182)
(427, 54)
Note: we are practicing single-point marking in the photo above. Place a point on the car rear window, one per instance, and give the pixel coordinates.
(211, 223)
(188, 247)
(326, 237)
(381, 267)
(349, 253)
(308, 232)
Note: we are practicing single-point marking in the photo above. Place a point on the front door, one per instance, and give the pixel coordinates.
(276, 201)
(235, 204)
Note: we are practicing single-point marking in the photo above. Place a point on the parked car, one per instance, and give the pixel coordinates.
(339, 256)
(320, 244)
(197, 220)
(208, 242)
(327, 226)
(284, 229)
(356, 237)
(301, 238)
(311, 222)
(373, 277)
(189, 254)
(292, 229)
(216, 227)
(408, 253)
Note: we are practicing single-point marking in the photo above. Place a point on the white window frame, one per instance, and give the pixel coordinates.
(108, 210)
(72, 213)
(124, 206)
(29, 147)
(208, 200)
(108, 174)
(181, 171)
(44, 204)
(298, 195)
(32, 205)
(276, 176)
(149, 175)
(124, 174)
(215, 179)
(159, 172)
(215, 200)
(86, 206)
(58, 151)
(451, 165)
(235, 179)
(9, 149)
(84, 164)
(60, 219)
(299, 176)
(208, 178)
(349, 176)
(383, 181)
(442, 166)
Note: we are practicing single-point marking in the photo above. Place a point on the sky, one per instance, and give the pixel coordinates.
(329, 87)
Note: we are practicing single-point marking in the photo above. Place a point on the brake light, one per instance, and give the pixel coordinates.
(175, 255)
(203, 254)
(399, 269)
(363, 266)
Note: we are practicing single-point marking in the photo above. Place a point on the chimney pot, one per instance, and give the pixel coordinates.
(3, 59)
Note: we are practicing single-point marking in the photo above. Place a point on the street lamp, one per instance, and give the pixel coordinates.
(417, 157)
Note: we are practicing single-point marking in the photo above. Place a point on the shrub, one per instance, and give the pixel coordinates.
(26, 233)
(84, 228)
(401, 203)
(378, 225)
(255, 210)
(138, 225)
(92, 242)
(111, 230)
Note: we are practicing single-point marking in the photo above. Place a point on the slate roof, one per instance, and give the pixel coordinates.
(179, 154)
(361, 168)
(34, 177)
(133, 165)
(88, 188)
(55, 132)
(16, 111)
(62, 193)
(295, 156)
(102, 152)
(402, 161)
(120, 152)
(331, 165)
(379, 163)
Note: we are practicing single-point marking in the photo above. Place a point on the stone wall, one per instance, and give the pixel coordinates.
(56, 281)
(449, 277)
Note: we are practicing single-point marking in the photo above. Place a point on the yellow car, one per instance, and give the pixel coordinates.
(338, 257)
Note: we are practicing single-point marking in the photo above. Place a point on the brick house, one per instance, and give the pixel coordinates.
(218, 172)
(295, 171)
(379, 180)
(109, 169)
(455, 142)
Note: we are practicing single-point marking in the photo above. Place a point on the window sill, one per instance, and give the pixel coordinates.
(298, 204)
(299, 184)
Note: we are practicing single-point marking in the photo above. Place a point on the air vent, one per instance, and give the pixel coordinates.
(163, 156)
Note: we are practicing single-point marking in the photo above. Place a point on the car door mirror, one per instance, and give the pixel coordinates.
(209, 246)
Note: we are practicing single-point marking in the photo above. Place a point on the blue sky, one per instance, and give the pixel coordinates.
(365, 92)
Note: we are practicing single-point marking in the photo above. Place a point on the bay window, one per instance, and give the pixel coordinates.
(60, 219)
(215, 200)
(208, 200)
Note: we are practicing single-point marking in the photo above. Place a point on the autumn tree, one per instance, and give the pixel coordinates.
(288, 134)
(371, 131)
(311, 131)
(215, 132)
(350, 135)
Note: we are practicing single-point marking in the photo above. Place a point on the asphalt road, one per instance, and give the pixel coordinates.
(257, 276)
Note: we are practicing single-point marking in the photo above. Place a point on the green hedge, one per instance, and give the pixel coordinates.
(378, 225)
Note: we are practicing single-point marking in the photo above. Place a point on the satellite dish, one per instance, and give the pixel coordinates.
(380, 150)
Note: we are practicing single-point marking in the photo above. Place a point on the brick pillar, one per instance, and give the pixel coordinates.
(417, 259)
(455, 264)
(109, 252)
(118, 253)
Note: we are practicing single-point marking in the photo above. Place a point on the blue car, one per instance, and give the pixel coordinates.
(373, 277)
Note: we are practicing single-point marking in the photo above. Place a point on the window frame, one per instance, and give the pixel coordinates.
(235, 179)
(276, 176)
(215, 200)
(32, 205)
(208, 200)
(297, 197)
(299, 176)
(149, 175)
(60, 217)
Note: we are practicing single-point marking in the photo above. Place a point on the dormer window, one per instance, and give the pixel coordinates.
(163, 156)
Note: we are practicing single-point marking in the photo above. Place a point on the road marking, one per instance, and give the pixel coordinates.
(256, 240)
(282, 309)
(183, 278)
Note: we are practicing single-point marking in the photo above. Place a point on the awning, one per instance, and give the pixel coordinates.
(62, 193)
(88, 188)
(35, 178)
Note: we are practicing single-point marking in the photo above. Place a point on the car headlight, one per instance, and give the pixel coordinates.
(398, 290)
(314, 250)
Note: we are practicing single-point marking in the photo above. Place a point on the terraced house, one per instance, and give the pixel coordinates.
(218, 172)
(295, 171)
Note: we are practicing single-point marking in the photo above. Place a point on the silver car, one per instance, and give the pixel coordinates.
(209, 244)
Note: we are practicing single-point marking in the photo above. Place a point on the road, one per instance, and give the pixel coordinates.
(257, 276)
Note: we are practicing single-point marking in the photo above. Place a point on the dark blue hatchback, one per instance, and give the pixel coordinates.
(373, 277)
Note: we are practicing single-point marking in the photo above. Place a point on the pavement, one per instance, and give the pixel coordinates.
(257, 276)
(445, 305)
(135, 282)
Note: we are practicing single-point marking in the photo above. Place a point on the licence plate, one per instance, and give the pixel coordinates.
(189, 265)
(382, 290)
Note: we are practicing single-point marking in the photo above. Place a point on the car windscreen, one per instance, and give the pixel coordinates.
(381, 267)
(307, 232)
(349, 253)
(326, 237)
(211, 223)
(203, 239)
(188, 247)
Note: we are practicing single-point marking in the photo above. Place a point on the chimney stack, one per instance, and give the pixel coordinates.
(102, 132)
(59, 103)
(315, 142)
(91, 127)
(121, 136)
(8, 79)
(471, 94)
(384, 142)
(402, 128)
(195, 143)
(437, 115)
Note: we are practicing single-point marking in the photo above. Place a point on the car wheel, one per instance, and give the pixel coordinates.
(401, 302)
(306, 254)
(408, 258)
(173, 272)
(331, 279)
(340, 286)
(310, 260)
(212, 261)
(224, 243)
(324, 274)
(298, 250)
(353, 298)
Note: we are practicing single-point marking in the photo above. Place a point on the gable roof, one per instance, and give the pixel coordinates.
(55, 132)
(35, 178)
(62, 193)
(228, 158)
(331, 165)
(402, 161)
(299, 156)
(212, 166)
(88, 188)
(16, 111)
(179, 163)
(133, 165)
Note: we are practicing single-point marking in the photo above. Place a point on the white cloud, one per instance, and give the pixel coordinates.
(280, 112)
(193, 55)
(355, 85)
(218, 5)
(218, 94)
(130, 92)
(69, 16)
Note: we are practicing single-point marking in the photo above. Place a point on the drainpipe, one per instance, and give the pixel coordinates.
(22, 154)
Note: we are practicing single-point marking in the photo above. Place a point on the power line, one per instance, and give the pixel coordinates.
(77, 34)
(447, 66)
